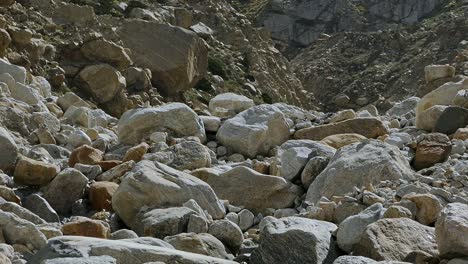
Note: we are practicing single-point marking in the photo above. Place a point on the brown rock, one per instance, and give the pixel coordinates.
(429, 207)
(461, 134)
(82, 226)
(432, 149)
(9, 195)
(108, 164)
(341, 140)
(32, 172)
(136, 153)
(5, 41)
(368, 127)
(100, 195)
(85, 155)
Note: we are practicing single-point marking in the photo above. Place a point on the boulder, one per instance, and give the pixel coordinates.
(9, 152)
(352, 228)
(38, 205)
(428, 207)
(85, 155)
(451, 119)
(392, 239)
(17, 72)
(204, 244)
(245, 187)
(138, 124)
(65, 189)
(404, 107)
(124, 251)
(32, 172)
(229, 103)
(254, 131)
(211, 123)
(177, 58)
(441, 96)
(368, 127)
(295, 240)
(157, 185)
(71, 99)
(19, 231)
(359, 165)
(431, 149)
(228, 233)
(434, 72)
(188, 155)
(136, 153)
(103, 82)
(161, 223)
(69, 13)
(82, 226)
(451, 231)
(106, 51)
(100, 195)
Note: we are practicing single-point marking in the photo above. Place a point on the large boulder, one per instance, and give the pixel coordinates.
(453, 118)
(177, 58)
(33, 172)
(360, 165)
(254, 131)
(16, 230)
(443, 95)
(295, 240)
(17, 72)
(138, 124)
(161, 223)
(255, 191)
(188, 155)
(157, 185)
(124, 251)
(452, 231)
(432, 149)
(102, 82)
(204, 244)
(369, 127)
(394, 238)
(229, 103)
(106, 51)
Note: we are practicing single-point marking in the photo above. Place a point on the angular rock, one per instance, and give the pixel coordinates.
(157, 185)
(359, 165)
(177, 58)
(434, 72)
(368, 127)
(452, 231)
(254, 131)
(228, 233)
(38, 205)
(307, 240)
(85, 155)
(432, 149)
(393, 239)
(451, 119)
(9, 152)
(229, 102)
(32, 172)
(17, 72)
(428, 207)
(253, 190)
(102, 82)
(161, 223)
(352, 228)
(65, 189)
(82, 226)
(136, 153)
(341, 140)
(100, 195)
(178, 119)
(20, 231)
(105, 51)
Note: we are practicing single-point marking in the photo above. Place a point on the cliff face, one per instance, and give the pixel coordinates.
(299, 23)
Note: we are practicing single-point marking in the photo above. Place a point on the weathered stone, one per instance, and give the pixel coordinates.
(20, 231)
(228, 233)
(452, 231)
(105, 51)
(66, 188)
(102, 82)
(69, 13)
(308, 241)
(254, 131)
(157, 185)
(85, 155)
(124, 251)
(32, 172)
(341, 140)
(360, 165)
(394, 238)
(9, 152)
(204, 244)
(41, 207)
(429, 207)
(432, 149)
(434, 72)
(100, 195)
(161, 223)
(70, 99)
(368, 127)
(178, 119)
(82, 226)
(229, 103)
(259, 191)
(136, 153)
(451, 119)
(177, 58)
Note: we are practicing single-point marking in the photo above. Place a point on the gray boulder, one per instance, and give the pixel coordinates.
(452, 231)
(160, 223)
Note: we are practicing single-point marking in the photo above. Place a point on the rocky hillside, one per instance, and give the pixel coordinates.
(151, 132)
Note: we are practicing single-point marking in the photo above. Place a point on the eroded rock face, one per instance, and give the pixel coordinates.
(177, 58)
(157, 185)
